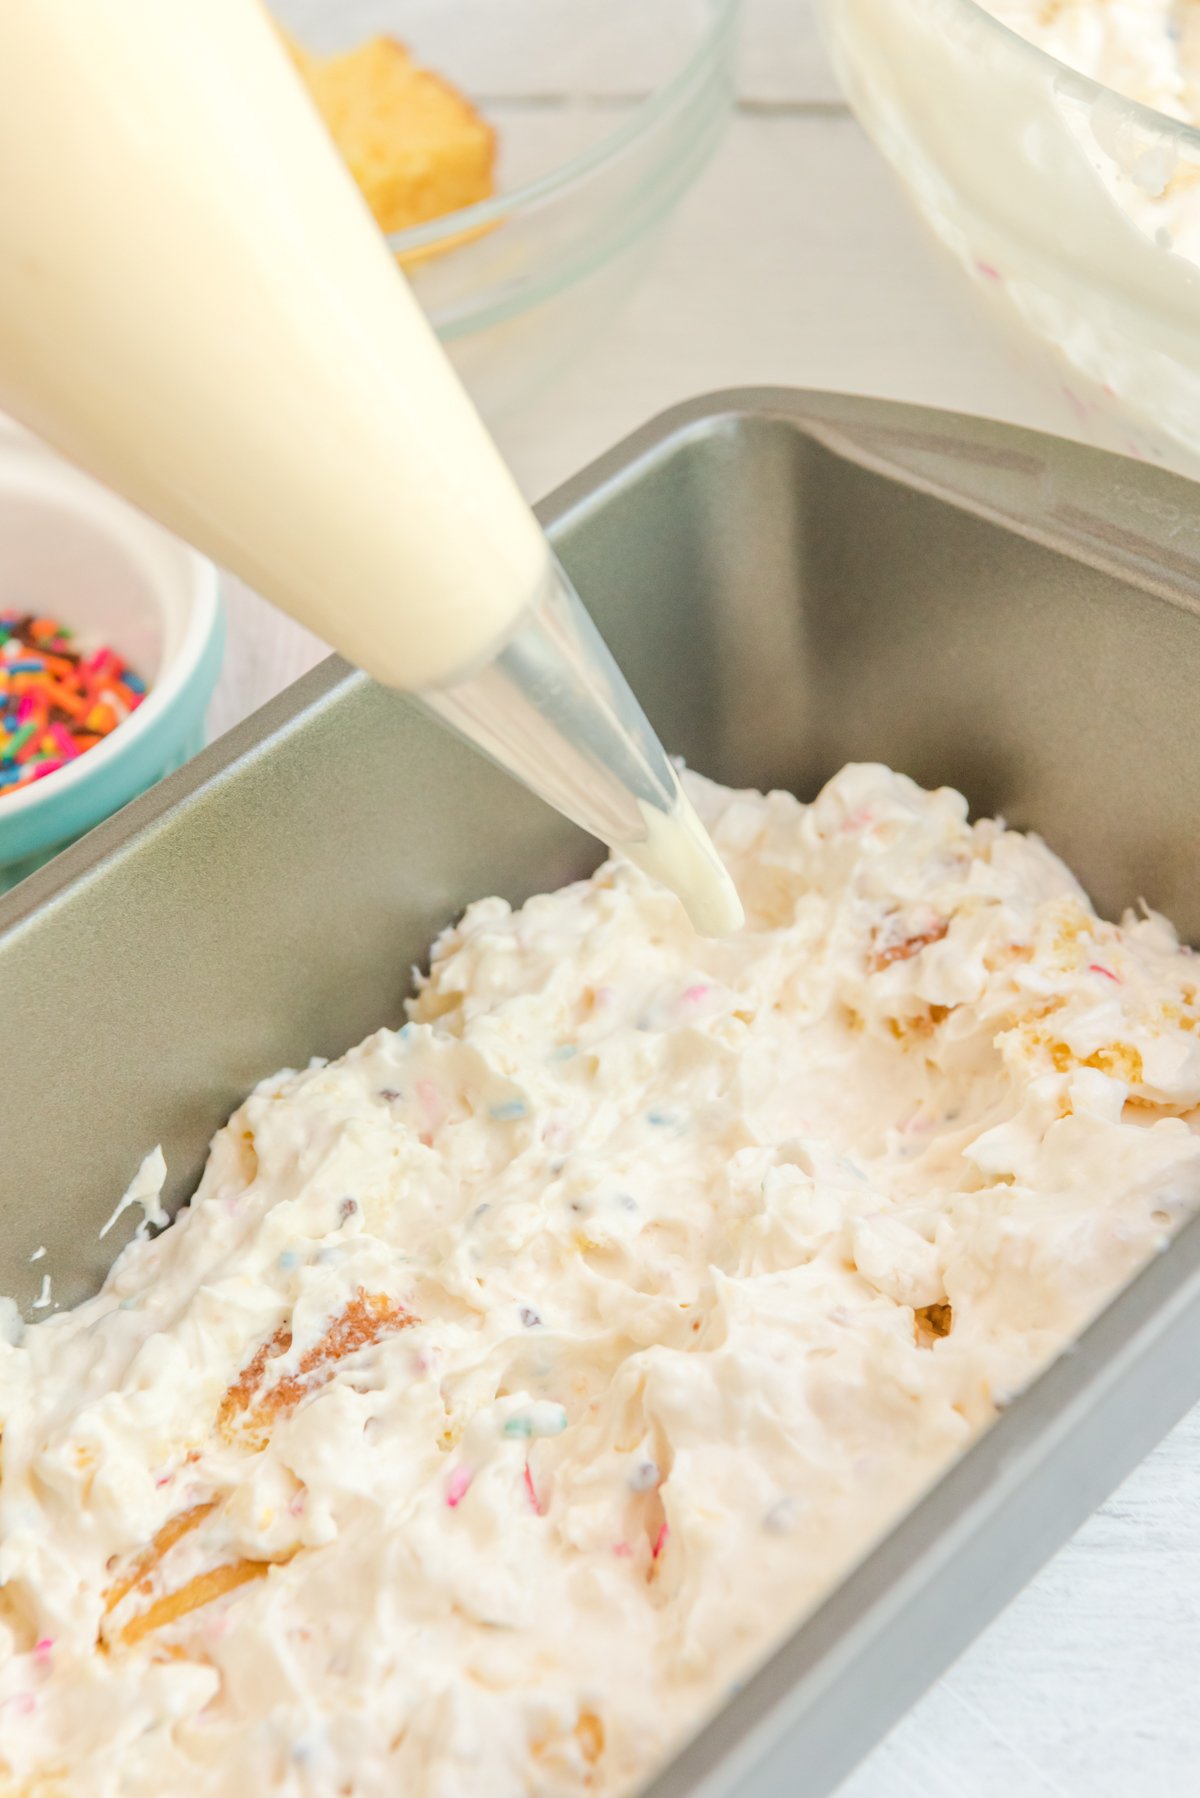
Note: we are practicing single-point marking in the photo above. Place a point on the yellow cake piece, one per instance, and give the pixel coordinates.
(417, 149)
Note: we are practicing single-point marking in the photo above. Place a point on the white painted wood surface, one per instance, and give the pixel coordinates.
(795, 261)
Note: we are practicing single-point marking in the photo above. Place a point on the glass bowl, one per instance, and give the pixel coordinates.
(605, 111)
(1067, 205)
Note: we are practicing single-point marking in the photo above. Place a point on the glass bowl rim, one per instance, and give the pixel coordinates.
(644, 116)
(1024, 48)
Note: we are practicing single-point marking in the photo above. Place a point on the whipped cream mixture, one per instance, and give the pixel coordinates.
(1144, 50)
(512, 1384)
(1147, 50)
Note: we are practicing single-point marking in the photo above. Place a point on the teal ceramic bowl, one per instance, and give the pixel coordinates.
(71, 549)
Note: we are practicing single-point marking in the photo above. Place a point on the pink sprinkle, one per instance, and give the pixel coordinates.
(97, 663)
(858, 820)
(298, 1503)
(531, 1489)
(41, 769)
(41, 1652)
(987, 270)
(24, 1703)
(25, 708)
(164, 1479)
(430, 1101)
(460, 1485)
(1095, 968)
(1076, 404)
(622, 1550)
(65, 741)
(693, 994)
(660, 1541)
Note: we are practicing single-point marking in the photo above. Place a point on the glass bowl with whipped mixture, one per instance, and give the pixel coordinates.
(1054, 150)
(521, 158)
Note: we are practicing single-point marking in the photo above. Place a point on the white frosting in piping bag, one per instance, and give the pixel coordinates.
(514, 1383)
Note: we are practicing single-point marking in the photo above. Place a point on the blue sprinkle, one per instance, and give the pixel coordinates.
(134, 682)
(406, 1031)
(542, 1419)
(288, 1258)
(662, 1120)
(509, 1109)
(564, 1052)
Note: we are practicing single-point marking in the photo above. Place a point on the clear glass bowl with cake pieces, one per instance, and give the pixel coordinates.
(604, 113)
(1075, 212)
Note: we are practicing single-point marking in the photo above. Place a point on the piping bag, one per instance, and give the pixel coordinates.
(197, 307)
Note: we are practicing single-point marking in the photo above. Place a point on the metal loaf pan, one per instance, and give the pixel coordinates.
(791, 581)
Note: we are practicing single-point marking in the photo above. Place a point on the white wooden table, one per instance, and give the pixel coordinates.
(795, 261)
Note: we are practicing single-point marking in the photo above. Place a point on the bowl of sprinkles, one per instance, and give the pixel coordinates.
(58, 699)
(111, 633)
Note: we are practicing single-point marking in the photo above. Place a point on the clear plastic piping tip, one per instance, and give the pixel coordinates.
(553, 709)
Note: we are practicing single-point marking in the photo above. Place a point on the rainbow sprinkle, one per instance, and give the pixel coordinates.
(56, 702)
(531, 1490)
(458, 1487)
